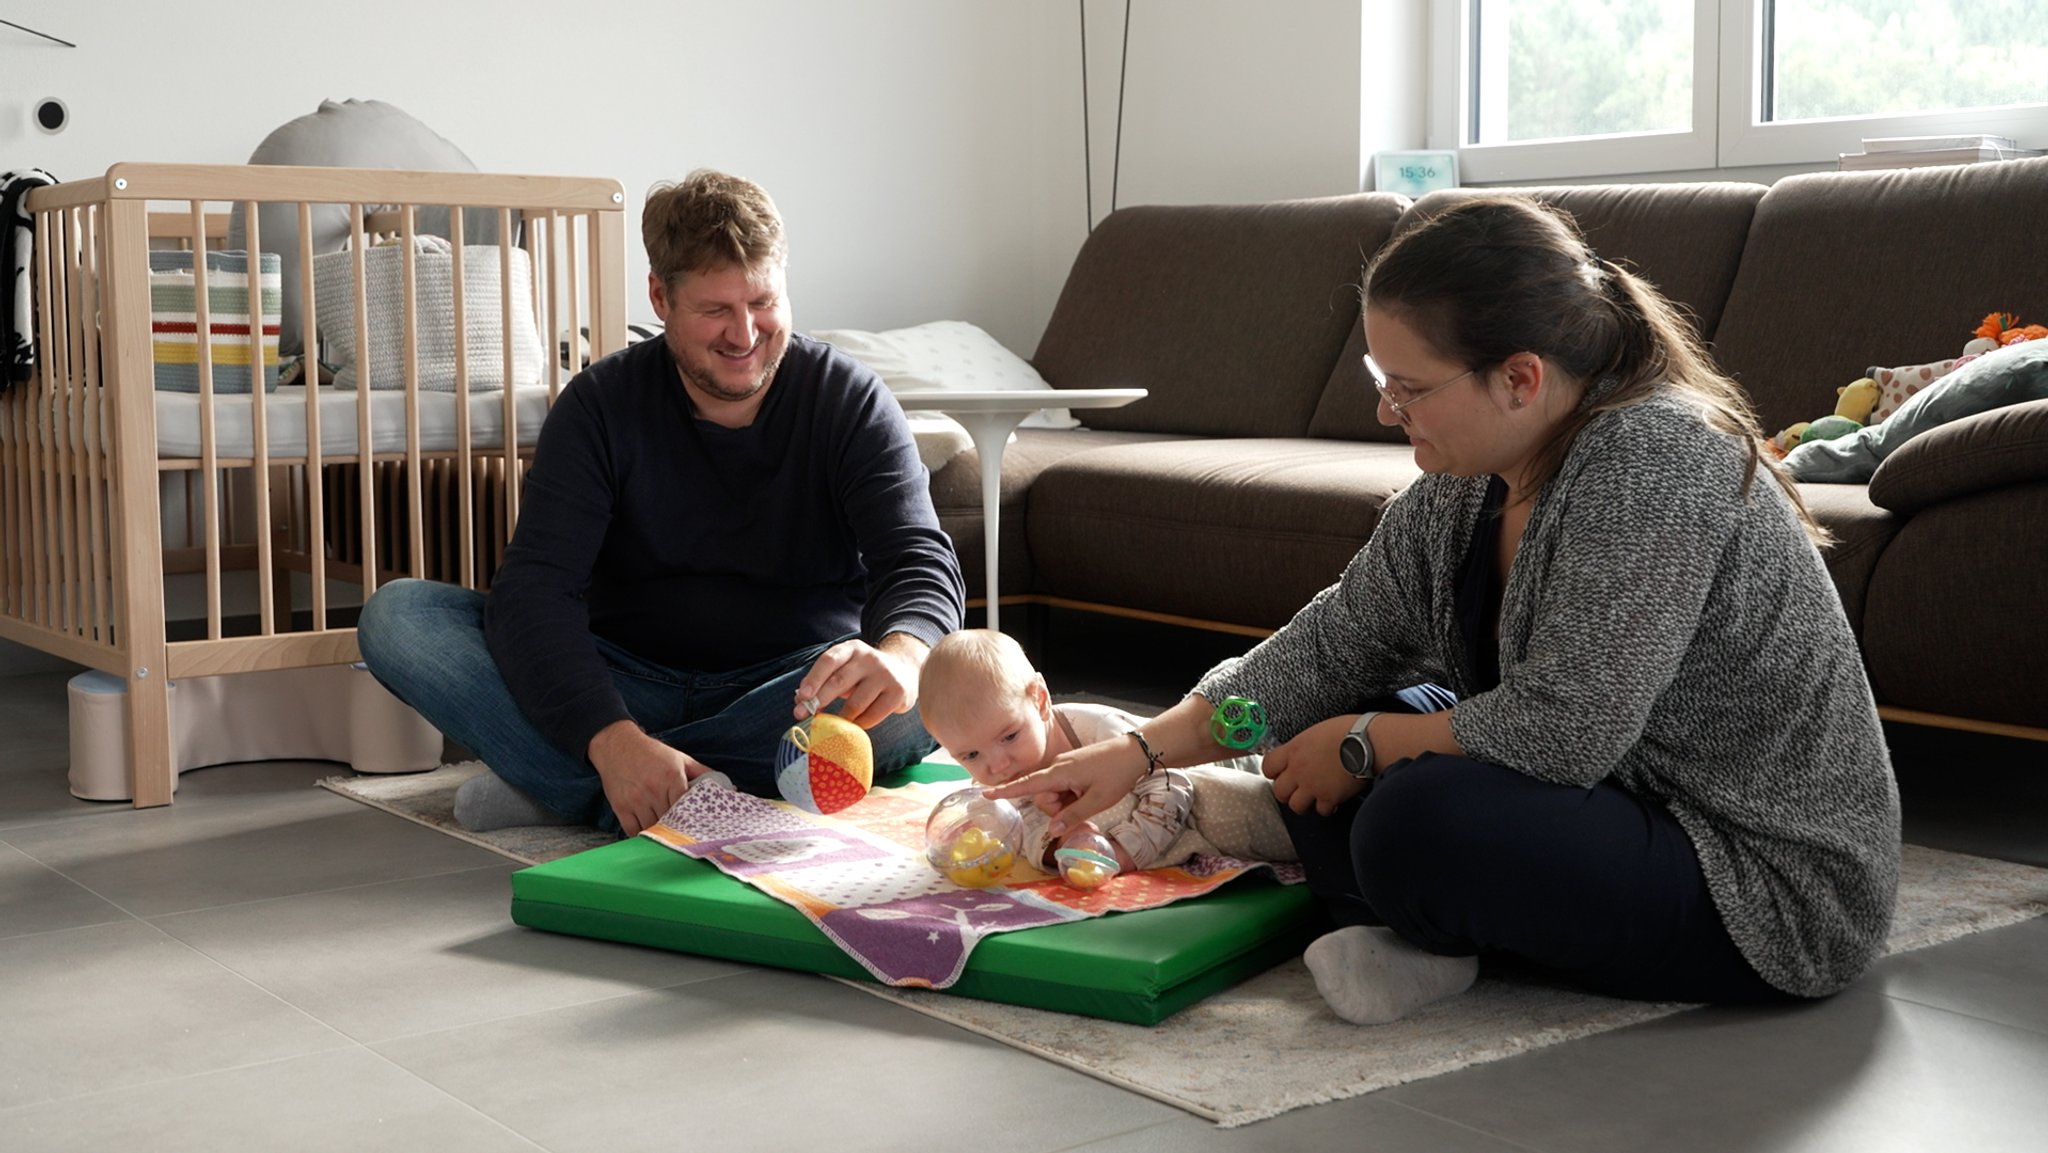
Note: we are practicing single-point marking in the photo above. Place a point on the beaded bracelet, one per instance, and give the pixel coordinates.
(1152, 759)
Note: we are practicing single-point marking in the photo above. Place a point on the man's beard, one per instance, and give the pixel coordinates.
(704, 380)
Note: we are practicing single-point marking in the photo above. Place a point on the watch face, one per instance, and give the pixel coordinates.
(1352, 752)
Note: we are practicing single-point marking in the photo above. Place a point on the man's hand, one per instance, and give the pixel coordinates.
(642, 777)
(875, 682)
(1306, 772)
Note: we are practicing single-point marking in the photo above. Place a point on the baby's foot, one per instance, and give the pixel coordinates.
(1370, 976)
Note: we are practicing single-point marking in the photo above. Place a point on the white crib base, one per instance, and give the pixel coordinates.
(324, 713)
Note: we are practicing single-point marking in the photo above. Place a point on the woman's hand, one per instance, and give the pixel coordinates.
(1079, 784)
(1306, 771)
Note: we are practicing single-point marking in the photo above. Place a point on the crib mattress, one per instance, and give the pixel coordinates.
(284, 413)
(938, 438)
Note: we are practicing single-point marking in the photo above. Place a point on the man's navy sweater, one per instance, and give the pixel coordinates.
(706, 548)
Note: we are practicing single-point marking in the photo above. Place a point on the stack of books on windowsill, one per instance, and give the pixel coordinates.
(1916, 151)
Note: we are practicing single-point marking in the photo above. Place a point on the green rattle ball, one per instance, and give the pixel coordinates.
(1238, 723)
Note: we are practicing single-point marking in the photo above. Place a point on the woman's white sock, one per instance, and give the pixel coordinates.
(1370, 976)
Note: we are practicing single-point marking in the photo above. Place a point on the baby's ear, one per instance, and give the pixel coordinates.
(1040, 695)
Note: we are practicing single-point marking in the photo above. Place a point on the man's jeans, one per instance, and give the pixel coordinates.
(425, 642)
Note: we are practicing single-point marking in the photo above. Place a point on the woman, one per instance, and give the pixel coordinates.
(1647, 757)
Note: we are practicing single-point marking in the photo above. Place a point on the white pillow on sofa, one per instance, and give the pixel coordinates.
(943, 355)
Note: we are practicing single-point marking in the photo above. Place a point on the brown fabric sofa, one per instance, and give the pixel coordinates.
(1255, 468)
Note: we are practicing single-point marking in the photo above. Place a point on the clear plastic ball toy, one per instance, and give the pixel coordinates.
(971, 839)
(1086, 859)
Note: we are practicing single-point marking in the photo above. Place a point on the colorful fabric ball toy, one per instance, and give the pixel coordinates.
(824, 764)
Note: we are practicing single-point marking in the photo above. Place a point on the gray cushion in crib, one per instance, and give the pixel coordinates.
(349, 134)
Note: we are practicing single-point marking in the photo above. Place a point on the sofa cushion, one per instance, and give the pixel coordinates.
(1230, 315)
(1952, 623)
(1687, 239)
(1684, 238)
(956, 493)
(1990, 450)
(1861, 530)
(1231, 531)
(1848, 269)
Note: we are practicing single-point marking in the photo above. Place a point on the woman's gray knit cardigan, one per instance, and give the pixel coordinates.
(1658, 629)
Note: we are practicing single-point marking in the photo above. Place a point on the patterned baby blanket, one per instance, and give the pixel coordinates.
(860, 875)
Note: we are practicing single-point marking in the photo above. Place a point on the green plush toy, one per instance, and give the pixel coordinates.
(1853, 408)
(1828, 428)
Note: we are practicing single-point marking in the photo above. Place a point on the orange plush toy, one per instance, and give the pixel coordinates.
(2002, 328)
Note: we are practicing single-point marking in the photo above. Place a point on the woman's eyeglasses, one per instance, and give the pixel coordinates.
(1399, 397)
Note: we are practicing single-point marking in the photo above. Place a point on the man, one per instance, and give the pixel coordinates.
(722, 531)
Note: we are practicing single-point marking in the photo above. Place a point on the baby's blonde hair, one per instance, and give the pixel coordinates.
(972, 669)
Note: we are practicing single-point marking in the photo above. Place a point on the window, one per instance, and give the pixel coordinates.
(1541, 89)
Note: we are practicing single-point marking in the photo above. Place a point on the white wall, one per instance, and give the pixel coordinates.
(1224, 100)
(927, 153)
(897, 135)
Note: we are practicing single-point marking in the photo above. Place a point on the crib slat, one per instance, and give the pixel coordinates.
(10, 544)
(466, 565)
(511, 437)
(574, 271)
(40, 560)
(540, 249)
(309, 379)
(259, 428)
(359, 243)
(417, 537)
(73, 341)
(14, 407)
(56, 356)
(209, 471)
(102, 537)
(607, 284)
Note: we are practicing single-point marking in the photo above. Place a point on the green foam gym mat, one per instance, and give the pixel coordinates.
(1139, 967)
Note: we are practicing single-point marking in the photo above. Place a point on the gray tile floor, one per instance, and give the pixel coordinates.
(266, 965)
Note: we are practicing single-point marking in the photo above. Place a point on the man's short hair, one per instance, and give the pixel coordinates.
(710, 220)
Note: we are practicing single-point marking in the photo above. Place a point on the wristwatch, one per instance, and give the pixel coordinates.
(1356, 751)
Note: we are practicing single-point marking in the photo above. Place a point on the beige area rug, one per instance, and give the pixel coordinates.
(429, 799)
(1269, 1045)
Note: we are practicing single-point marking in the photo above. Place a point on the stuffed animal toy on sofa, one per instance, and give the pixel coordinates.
(2000, 329)
(1857, 398)
(1869, 400)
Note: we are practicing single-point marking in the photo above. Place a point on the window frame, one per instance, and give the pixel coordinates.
(1726, 133)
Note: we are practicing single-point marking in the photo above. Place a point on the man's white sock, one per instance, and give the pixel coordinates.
(487, 801)
(1370, 976)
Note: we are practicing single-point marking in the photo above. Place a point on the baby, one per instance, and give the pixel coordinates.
(989, 708)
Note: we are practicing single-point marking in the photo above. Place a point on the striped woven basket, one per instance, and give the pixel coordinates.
(174, 319)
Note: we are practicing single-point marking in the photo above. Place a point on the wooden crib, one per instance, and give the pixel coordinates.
(256, 503)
